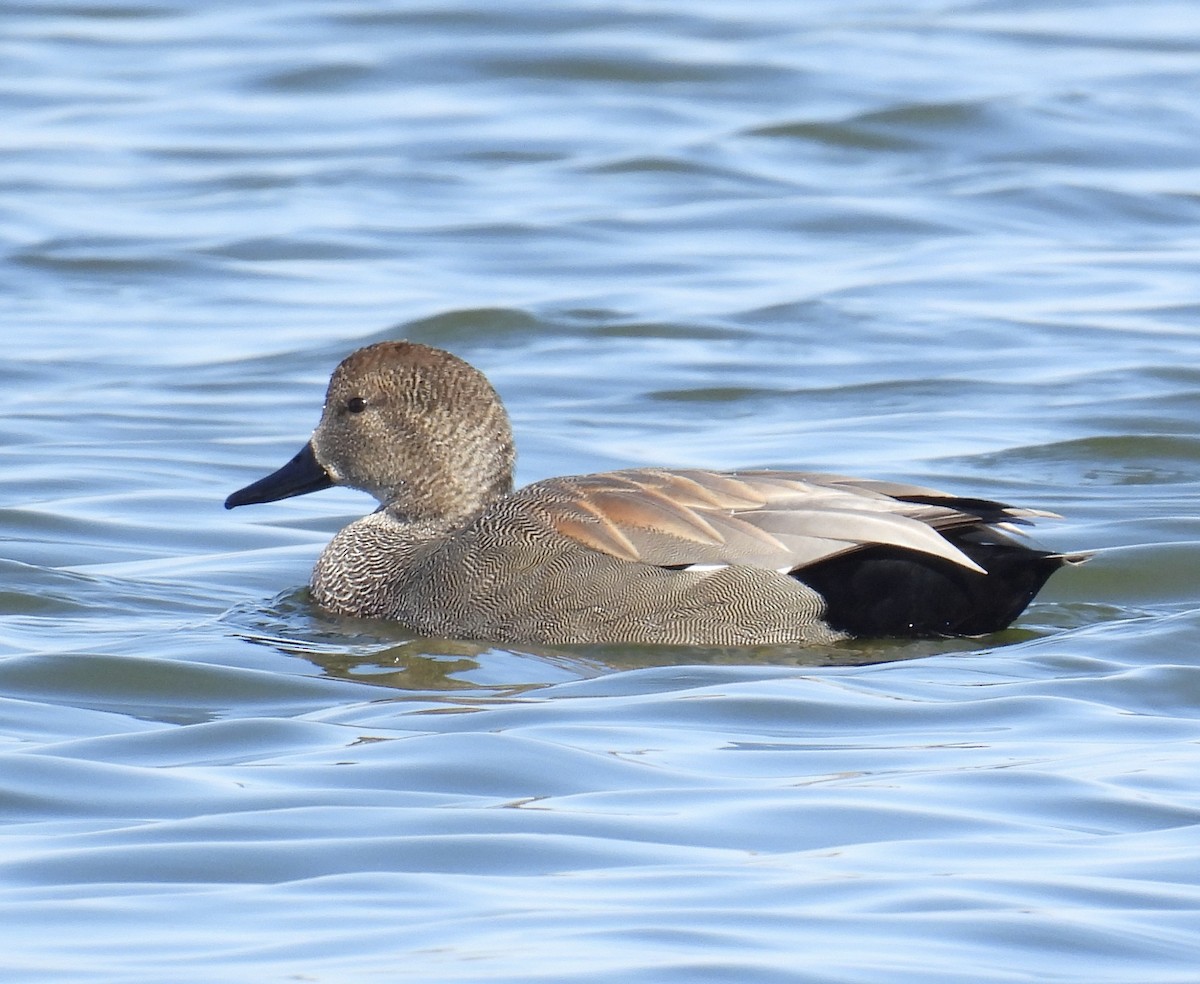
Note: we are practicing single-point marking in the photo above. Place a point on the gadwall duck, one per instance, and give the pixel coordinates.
(642, 555)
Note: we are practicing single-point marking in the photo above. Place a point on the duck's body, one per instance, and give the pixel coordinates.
(639, 556)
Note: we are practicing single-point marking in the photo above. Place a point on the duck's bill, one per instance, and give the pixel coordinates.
(299, 476)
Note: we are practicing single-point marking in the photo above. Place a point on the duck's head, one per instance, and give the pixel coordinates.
(416, 427)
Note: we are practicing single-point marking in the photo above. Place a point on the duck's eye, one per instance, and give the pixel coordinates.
(356, 404)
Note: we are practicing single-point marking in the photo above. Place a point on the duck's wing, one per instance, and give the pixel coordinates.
(773, 519)
(987, 511)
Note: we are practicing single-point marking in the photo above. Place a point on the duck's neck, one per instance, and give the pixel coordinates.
(448, 496)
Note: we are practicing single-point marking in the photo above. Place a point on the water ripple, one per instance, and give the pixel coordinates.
(950, 245)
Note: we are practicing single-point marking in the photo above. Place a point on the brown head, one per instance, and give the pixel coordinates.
(416, 427)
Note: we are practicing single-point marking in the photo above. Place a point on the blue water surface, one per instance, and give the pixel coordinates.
(946, 242)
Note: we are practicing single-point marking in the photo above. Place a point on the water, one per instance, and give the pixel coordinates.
(951, 243)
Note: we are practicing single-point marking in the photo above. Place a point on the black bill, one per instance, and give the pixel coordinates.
(300, 475)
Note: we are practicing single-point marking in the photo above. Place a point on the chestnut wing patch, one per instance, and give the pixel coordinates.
(777, 520)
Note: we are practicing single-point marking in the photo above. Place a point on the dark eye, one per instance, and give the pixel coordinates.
(356, 404)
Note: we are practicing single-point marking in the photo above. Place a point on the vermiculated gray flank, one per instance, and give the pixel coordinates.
(642, 555)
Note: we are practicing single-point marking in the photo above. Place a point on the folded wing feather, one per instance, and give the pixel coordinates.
(777, 520)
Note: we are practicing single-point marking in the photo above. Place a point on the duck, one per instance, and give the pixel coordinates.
(639, 556)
